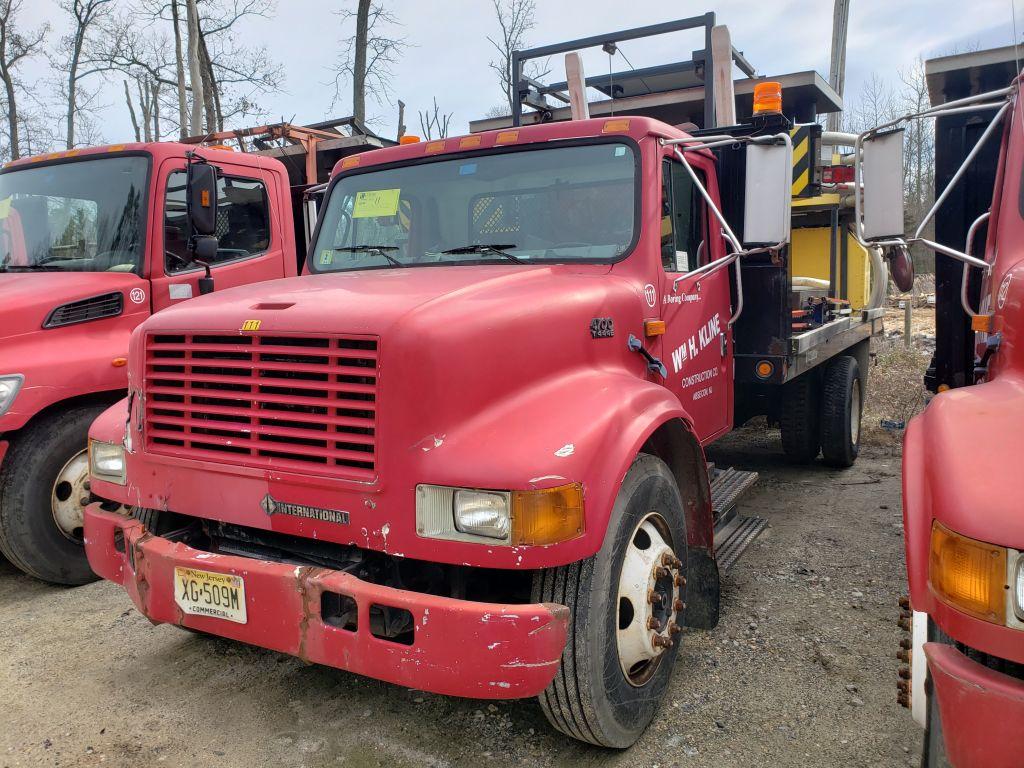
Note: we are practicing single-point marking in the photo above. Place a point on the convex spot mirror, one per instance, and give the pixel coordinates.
(768, 193)
(882, 179)
(202, 198)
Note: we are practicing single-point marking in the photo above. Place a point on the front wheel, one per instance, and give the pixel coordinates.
(43, 493)
(626, 604)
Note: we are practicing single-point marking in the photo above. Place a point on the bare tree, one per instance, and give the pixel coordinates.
(131, 112)
(15, 47)
(434, 123)
(195, 70)
(179, 71)
(515, 21)
(75, 59)
(369, 56)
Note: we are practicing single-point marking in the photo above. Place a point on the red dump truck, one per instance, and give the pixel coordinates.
(94, 241)
(963, 651)
(465, 452)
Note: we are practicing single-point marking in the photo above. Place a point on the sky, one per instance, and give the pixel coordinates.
(448, 48)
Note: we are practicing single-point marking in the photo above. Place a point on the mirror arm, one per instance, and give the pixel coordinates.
(969, 249)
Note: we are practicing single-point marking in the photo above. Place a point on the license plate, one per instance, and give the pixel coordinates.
(203, 593)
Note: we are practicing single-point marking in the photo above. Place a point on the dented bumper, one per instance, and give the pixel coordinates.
(459, 648)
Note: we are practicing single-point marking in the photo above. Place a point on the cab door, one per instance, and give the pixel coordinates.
(697, 345)
(250, 237)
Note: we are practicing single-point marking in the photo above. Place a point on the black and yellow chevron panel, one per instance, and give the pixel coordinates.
(805, 150)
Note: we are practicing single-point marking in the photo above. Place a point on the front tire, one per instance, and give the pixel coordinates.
(43, 491)
(934, 742)
(614, 672)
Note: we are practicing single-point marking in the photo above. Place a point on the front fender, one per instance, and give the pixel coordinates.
(584, 426)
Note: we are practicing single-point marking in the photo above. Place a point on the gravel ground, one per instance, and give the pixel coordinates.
(800, 672)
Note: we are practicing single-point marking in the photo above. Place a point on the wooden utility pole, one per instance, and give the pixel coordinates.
(195, 70)
(837, 66)
(577, 82)
(359, 63)
(725, 95)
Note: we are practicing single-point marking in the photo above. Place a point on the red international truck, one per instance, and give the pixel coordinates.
(963, 491)
(92, 242)
(465, 452)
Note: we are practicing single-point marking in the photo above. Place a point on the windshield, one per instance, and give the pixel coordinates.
(551, 204)
(79, 216)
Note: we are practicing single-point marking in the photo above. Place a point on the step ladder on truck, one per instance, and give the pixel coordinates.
(465, 453)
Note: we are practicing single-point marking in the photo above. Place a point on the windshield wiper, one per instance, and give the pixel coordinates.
(380, 250)
(499, 249)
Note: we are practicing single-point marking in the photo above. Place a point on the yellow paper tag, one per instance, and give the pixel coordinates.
(326, 257)
(378, 202)
(5, 208)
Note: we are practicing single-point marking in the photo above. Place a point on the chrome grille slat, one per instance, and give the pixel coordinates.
(301, 403)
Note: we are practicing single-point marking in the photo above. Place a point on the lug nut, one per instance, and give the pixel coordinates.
(671, 560)
(904, 623)
(905, 644)
(654, 598)
(680, 580)
(83, 501)
(674, 629)
(903, 700)
(660, 641)
(660, 573)
(905, 603)
(653, 623)
(904, 673)
(87, 485)
(903, 686)
(903, 656)
(678, 605)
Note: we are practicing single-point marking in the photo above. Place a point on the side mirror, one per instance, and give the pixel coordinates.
(881, 175)
(205, 251)
(202, 198)
(769, 183)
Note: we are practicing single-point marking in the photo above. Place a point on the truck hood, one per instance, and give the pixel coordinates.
(26, 298)
(374, 301)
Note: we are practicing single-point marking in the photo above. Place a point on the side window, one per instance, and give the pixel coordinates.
(683, 219)
(243, 220)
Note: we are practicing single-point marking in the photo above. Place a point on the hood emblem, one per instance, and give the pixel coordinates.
(272, 506)
(251, 325)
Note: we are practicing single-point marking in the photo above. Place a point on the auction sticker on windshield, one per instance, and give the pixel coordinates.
(378, 202)
(204, 593)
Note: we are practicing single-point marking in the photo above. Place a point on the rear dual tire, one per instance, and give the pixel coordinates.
(604, 693)
(822, 414)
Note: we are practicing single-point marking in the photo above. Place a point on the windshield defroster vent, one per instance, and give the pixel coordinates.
(84, 310)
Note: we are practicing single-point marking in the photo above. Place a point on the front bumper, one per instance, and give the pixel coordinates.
(460, 648)
(982, 710)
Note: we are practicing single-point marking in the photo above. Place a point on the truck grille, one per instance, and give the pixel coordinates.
(296, 403)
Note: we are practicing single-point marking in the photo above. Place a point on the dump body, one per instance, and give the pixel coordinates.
(962, 489)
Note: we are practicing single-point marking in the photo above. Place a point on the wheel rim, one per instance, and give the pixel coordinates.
(855, 412)
(70, 494)
(649, 602)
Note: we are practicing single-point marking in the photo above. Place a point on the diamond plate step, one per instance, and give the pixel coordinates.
(733, 532)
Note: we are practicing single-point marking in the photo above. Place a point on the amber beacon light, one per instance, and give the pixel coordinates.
(767, 97)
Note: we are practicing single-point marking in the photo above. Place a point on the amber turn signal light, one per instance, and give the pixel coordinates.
(547, 516)
(970, 575)
(409, 139)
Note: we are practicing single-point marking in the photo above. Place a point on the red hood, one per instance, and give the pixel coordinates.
(372, 301)
(971, 453)
(26, 298)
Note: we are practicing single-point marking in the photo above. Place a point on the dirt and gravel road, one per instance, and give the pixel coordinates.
(800, 672)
